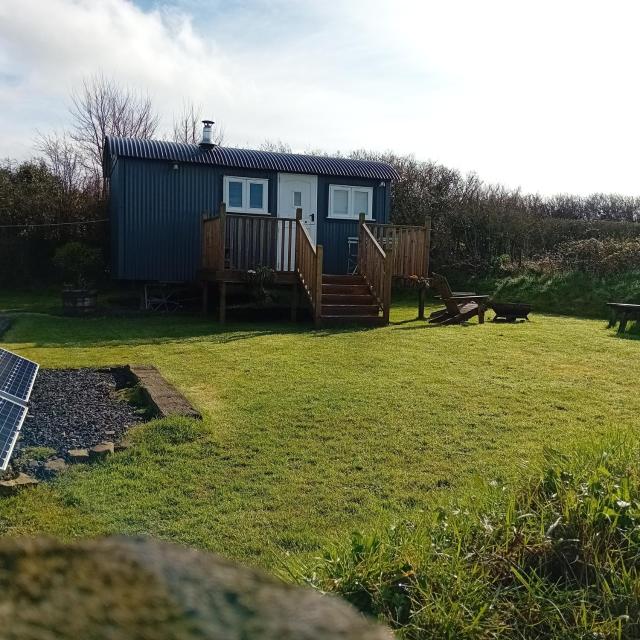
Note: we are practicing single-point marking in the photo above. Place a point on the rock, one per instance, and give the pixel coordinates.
(55, 466)
(123, 445)
(161, 395)
(33, 465)
(110, 433)
(78, 455)
(135, 588)
(11, 487)
(101, 451)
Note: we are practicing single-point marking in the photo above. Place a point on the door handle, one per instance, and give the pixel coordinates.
(313, 217)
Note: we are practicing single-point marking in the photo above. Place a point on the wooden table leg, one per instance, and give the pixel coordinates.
(481, 310)
(623, 323)
(421, 297)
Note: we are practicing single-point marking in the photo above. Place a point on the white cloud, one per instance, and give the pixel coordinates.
(541, 94)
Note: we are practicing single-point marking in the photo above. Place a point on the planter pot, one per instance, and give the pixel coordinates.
(79, 302)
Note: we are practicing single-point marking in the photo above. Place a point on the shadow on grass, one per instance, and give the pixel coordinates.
(52, 331)
(42, 330)
(426, 325)
(627, 335)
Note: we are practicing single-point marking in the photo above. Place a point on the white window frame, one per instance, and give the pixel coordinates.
(351, 215)
(246, 182)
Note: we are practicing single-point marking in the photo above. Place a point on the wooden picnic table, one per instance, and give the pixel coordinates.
(623, 312)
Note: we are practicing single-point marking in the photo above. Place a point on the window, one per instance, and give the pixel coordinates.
(246, 195)
(349, 202)
(297, 198)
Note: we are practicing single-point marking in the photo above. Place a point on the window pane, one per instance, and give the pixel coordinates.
(340, 202)
(297, 198)
(360, 202)
(256, 195)
(235, 194)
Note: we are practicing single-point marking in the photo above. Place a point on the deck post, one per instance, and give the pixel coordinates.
(317, 308)
(427, 245)
(388, 279)
(223, 236)
(361, 219)
(295, 253)
(421, 296)
(222, 308)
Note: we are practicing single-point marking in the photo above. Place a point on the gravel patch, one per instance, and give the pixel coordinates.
(75, 408)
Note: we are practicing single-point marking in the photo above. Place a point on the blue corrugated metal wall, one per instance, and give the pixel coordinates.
(157, 218)
(333, 235)
(156, 212)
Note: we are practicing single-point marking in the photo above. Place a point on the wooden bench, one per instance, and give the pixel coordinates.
(460, 306)
(622, 312)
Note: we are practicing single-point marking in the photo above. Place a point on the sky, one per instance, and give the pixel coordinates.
(541, 95)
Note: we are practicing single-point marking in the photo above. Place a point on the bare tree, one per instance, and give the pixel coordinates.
(65, 161)
(187, 126)
(279, 146)
(100, 108)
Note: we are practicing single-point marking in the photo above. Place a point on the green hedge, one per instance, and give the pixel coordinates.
(573, 293)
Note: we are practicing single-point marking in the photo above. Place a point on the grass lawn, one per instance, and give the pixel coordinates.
(309, 435)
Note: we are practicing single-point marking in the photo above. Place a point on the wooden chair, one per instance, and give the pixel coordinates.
(459, 305)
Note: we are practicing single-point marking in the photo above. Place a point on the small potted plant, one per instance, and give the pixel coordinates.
(259, 279)
(79, 266)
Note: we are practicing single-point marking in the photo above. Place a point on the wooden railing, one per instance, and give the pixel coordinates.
(213, 241)
(376, 265)
(242, 242)
(409, 245)
(309, 266)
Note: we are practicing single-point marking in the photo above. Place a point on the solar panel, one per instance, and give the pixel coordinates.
(17, 375)
(12, 416)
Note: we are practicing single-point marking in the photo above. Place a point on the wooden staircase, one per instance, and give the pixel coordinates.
(347, 300)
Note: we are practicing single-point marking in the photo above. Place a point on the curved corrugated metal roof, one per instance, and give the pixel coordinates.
(248, 158)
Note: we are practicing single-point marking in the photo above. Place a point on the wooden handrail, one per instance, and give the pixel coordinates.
(410, 246)
(246, 241)
(309, 260)
(376, 244)
(376, 266)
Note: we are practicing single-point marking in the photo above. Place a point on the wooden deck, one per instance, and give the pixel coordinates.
(234, 244)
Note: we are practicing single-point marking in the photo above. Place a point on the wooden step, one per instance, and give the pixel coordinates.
(339, 321)
(333, 279)
(348, 289)
(350, 309)
(345, 298)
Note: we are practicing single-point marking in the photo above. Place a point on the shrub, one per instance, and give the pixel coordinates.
(555, 558)
(599, 257)
(78, 263)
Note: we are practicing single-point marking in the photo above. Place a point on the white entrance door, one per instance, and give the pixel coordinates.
(299, 190)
